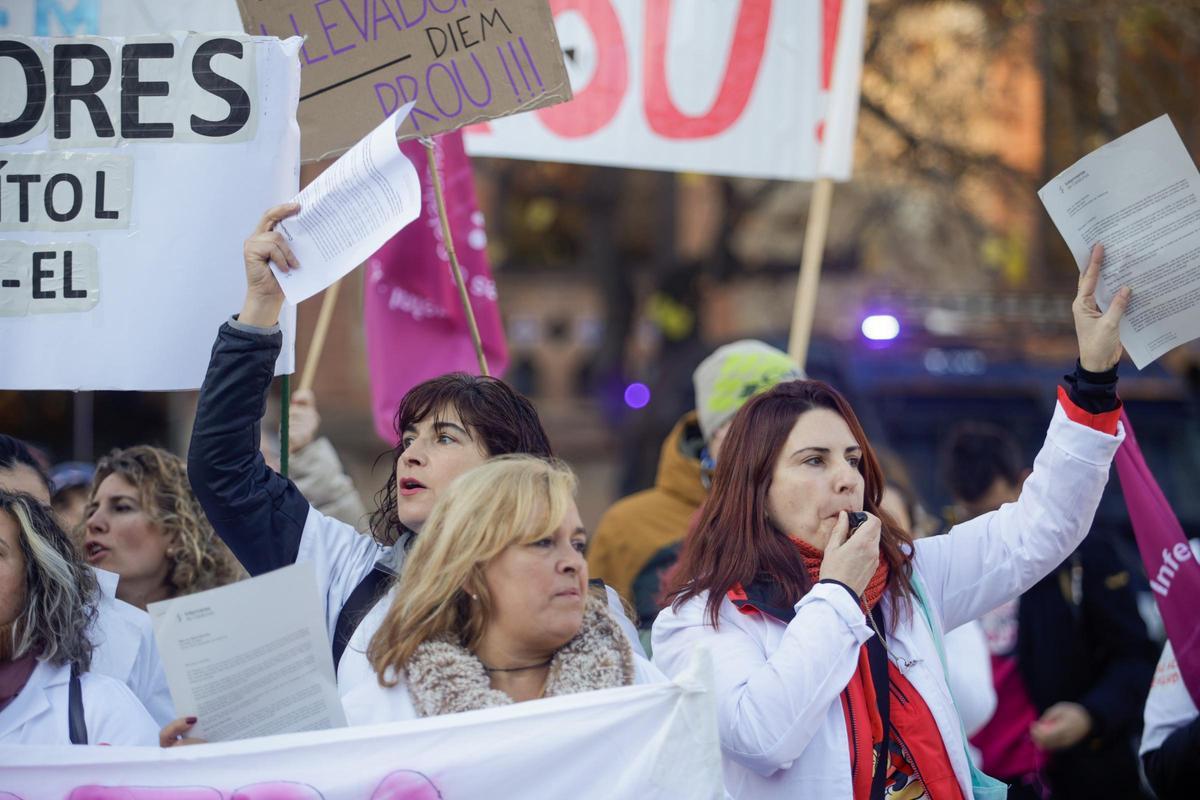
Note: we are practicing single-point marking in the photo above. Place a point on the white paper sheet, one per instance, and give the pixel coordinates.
(1139, 196)
(347, 213)
(251, 658)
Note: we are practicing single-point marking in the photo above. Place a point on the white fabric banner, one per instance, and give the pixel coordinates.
(758, 88)
(133, 169)
(645, 742)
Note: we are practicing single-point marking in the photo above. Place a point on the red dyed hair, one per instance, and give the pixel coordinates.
(734, 543)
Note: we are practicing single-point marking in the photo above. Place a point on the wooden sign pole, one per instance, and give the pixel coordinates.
(328, 302)
(448, 240)
(807, 284)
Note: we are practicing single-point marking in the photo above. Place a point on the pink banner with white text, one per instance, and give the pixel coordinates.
(1170, 563)
(416, 328)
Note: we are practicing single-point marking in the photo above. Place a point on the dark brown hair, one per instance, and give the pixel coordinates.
(498, 417)
(975, 456)
(734, 543)
(14, 453)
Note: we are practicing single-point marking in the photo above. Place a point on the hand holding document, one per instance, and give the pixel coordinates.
(1139, 196)
(350, 210)
(251, 658)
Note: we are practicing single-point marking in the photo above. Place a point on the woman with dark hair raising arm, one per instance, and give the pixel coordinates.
(826, 637)
(446, 426)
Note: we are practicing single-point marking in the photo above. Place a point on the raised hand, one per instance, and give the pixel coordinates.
(264, 297)
(1098, 332)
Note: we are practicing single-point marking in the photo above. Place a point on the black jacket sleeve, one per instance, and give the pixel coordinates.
(1094, 392)
(257, 512)
(1117, 638)
(1174, 768)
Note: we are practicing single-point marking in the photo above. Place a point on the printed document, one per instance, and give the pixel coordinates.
(1139, 196)
(251, 658)
(350, 211)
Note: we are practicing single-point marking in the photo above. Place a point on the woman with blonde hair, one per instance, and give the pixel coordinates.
(47, 695)
(494, 606)
(145, 524)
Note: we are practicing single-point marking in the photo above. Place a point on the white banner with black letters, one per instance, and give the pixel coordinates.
(131, 169)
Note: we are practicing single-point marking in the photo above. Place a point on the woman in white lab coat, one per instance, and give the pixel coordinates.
(121, 634)
(829, 673)
(46, 694)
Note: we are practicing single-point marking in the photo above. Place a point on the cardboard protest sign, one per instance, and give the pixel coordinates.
(757, 88)
(131, 169)
(460, 61)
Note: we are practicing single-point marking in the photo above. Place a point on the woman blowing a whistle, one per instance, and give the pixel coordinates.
(827, 643)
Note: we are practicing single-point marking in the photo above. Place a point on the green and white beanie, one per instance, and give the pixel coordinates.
(732, 375)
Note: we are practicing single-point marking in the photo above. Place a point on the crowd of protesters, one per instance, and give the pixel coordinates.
(857, 653)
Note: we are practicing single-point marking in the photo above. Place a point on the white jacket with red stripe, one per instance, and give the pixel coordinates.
(783, 732)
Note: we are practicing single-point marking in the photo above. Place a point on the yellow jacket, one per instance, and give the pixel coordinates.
(638, 526)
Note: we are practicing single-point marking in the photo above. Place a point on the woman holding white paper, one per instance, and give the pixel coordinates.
(494, 606)
(47, 696)
(446, 425)
(826, 638)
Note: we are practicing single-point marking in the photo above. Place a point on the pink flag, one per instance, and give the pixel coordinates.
(1170, 564)
(415, 325)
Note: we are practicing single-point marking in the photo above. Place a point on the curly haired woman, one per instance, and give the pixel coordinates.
(144, 523)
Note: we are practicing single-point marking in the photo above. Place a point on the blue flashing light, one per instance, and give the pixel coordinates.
(881, 327)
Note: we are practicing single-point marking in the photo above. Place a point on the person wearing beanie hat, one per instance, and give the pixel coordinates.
(732, 375)
(638, 538)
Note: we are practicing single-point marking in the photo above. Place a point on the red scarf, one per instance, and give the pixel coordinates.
(915, 748)
(812, 563)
